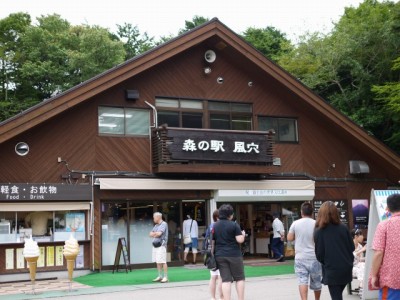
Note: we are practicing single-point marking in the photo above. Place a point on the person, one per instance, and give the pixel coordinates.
(191, 228)
(359, 260)
(160, 233)
(306, 265)
(215, 279)
(334, 250)
(278, 238)
(227, 238)
(385, 271)
(38, 222)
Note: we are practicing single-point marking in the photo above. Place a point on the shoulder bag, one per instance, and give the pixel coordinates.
(209, 258)
(157, 242)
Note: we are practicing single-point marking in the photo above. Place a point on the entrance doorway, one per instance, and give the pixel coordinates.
(256, 219)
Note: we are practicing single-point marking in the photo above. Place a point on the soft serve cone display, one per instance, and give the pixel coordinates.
(31, 254)
(71, 251)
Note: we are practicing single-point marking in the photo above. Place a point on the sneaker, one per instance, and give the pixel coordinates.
(164, 280)
(159, 278)
(281, 259)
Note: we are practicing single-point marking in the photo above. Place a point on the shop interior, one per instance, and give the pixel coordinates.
(43, 226)
(134, 220)
(256, 219)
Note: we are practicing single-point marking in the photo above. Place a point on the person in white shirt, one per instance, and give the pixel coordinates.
(277, 244)
(307, 267)
(191, 228)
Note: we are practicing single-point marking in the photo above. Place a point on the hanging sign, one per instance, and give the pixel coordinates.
(44, 191)
(219, 146)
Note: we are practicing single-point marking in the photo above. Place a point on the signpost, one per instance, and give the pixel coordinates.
(122, 248)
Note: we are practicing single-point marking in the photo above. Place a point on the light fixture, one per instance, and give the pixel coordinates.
(131, 94)
(207, 70)
(250, 83)
(22, 148)
(220, 80)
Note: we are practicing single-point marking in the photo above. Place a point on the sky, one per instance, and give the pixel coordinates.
(166, 17)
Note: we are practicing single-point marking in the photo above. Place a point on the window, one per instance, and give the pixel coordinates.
(188, 113)
(124, 121)
(229, 115)
(46, 226)
(180, 113)
(285, 128)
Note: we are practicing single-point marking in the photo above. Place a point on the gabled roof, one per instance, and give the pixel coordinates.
(62, 102)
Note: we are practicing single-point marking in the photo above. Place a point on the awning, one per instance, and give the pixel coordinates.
(226, 190)
(43, 206)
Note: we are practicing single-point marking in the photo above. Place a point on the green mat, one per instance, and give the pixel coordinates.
(175, 274)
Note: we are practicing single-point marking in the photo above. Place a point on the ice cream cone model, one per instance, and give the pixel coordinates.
(32, 263)
(70, 265)
(31, 253)
(71, 251)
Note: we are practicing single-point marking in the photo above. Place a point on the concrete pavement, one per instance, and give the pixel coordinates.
(282, 287)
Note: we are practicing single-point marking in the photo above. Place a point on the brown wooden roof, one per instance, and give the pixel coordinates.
(214, 28)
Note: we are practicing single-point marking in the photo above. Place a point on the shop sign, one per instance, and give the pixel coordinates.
(43, 191)
(220, 146)
(360, 211)
(341, 206)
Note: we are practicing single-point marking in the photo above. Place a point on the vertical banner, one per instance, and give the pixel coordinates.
(50, 256)
(9, 259)
(59, 256)
(360, 212)
(20, 258)
(40, 262)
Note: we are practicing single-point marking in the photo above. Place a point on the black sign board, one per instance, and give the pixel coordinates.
(122, 248)
(44, 191)
(341, 206)
(219, 146)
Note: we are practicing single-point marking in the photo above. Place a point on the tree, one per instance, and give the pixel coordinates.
(134, 42)
(343, 65)
(40, 61)
(12, 28)
(269, 41)
(389, 93)
(196, 21)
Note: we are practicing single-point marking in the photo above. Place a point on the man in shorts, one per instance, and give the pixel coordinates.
(307, 268)
(159, 233)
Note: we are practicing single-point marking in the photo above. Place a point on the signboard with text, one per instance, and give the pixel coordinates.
(43, 191)
(219, 146)
(341, 206)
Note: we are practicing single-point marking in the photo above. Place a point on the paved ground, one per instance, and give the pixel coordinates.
(274, 287)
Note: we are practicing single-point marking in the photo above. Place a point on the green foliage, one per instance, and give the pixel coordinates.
(134, 42)
(196, 21)
(344, 65)
(269, 41)
(40, 61)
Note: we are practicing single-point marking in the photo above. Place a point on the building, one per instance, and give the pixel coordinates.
(179, 129)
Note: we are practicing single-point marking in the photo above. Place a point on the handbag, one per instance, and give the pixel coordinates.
(187, 239)
(209, 259)
(157, 243)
